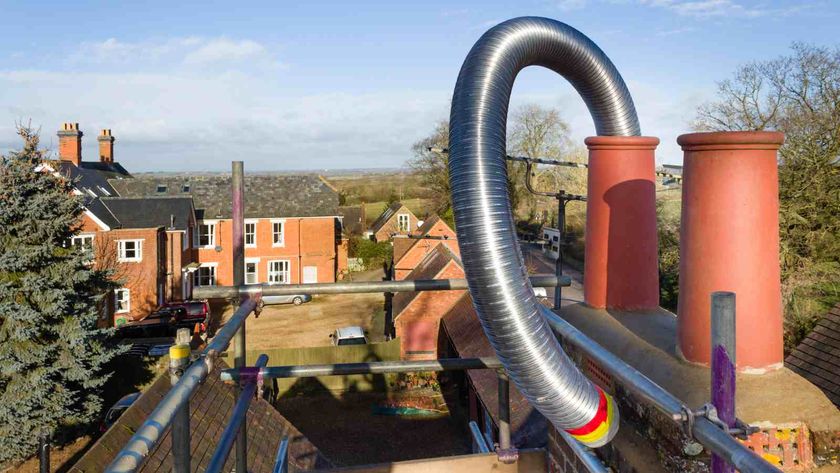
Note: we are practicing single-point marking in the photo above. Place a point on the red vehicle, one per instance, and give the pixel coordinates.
(188, 313)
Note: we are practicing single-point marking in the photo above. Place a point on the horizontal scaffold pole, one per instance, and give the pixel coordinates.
(358, 287)
(374, 367)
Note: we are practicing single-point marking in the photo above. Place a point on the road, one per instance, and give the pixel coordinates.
(537, 262)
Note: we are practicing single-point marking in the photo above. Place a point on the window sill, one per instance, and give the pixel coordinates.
(131, 260)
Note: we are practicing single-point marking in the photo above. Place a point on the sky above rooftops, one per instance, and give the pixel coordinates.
(336, 85)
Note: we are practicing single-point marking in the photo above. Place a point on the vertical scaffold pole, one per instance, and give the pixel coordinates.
(238, 236)
(723, 366)
(179, 360)
(504, 410)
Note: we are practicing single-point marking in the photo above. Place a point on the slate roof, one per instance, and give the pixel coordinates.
(463, 329)
(428, 268)
(353, 221)
(91, 179)
(265, 196)
(210, 409)
(386, 215)
(151, 212)
(817, 358)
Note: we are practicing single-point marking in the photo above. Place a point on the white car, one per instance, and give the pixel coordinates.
(353, 335)
(540, 292)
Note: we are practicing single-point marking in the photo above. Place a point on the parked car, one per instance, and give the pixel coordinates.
(166, 319)
(296, 299)
(117, 410)
(188, 313)
(540, 293)
(353, 335)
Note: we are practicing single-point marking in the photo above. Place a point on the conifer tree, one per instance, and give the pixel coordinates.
(52, 354)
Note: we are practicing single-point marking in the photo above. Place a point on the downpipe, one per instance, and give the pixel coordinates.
(495, 271)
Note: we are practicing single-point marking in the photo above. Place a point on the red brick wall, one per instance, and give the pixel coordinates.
(390, 227)
(418, 324)
(142, 278)
(307, 242)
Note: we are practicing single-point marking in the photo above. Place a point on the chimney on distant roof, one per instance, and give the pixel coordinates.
(70, 143)
(106, 146)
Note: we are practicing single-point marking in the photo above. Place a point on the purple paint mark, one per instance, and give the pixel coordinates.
(723, 397)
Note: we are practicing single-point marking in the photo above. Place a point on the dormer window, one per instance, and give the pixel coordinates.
(161, 188)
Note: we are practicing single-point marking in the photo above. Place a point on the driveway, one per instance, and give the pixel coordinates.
(538, 263)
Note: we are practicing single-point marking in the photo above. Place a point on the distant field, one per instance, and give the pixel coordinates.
(380, 187)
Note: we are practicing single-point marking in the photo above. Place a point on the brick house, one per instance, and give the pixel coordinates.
(409, 250)
(417, 314)
(130, 237)
(292, 230)
(163, 235)
(397, 219)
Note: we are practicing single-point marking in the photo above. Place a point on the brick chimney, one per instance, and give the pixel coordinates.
(70, 143)
(106, 146)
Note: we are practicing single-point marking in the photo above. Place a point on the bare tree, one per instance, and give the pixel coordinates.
(798, 94)
(433, 167)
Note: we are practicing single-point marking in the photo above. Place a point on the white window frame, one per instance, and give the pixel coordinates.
(253, 234)
(282, 222)
(138, 250)
(122, 304)
(213, 225)
(81, 237)
(407, 226)
(273, 274)
(197, 276)
(256, 273)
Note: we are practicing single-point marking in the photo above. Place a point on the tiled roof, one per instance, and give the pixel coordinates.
(401, 246)
(464, 330)
(386, 215)
(151, 212)
(210, 409)
(353, 222)
(266, 196)
(427, 225)
(428, 268)
(817, 358)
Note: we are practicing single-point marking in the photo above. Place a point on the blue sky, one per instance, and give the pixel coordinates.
(325, 85)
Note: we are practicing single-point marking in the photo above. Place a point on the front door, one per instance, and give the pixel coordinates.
(310, 274)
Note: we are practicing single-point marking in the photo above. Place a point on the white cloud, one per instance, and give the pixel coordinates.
(224, 49)
(569, 5)
(719, 8)
(193, 121)
(187, 52)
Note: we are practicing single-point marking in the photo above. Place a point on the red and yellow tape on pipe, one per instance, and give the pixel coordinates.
(601, 429)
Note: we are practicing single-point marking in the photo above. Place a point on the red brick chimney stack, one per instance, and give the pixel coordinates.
(106, 146)
(70, 143)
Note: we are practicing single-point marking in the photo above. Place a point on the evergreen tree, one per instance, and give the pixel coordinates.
(52, 354)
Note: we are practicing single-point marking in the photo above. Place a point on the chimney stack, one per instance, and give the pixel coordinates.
(106, 146)
(70, 143)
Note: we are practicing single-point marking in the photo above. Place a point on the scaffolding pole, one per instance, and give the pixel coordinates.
(237, 419)
(134, 453)
(281, 462)
(374, 367)
(479, 442)
(238, 236)
(702, 429)
(358, 287)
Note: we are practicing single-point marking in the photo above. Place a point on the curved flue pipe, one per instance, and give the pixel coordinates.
(498, 282)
